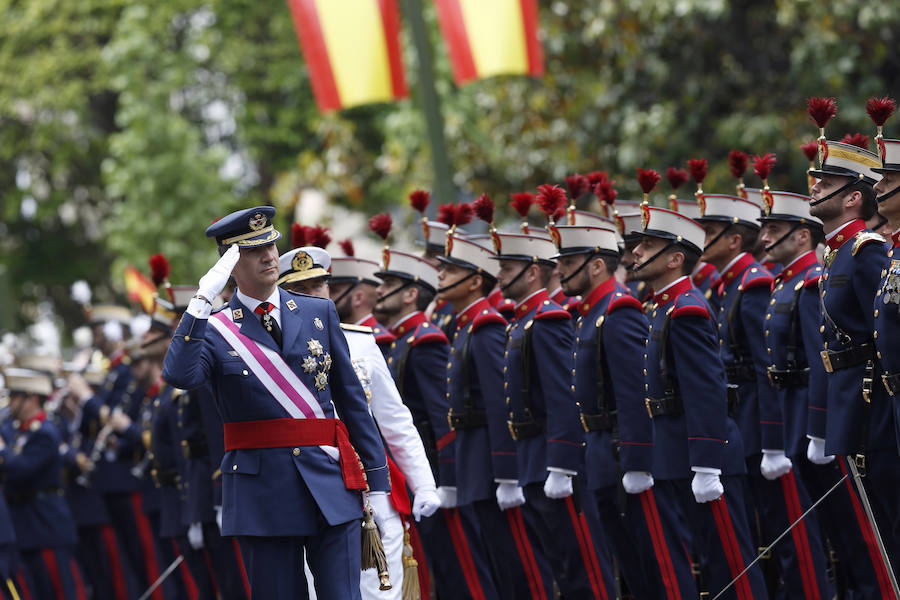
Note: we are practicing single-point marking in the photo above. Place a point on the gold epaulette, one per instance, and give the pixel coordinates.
(864, 237)
(357, 328)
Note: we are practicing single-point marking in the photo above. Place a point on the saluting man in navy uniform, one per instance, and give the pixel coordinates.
(280, 368)
(543, 418)
(698, 458)
(860, 420)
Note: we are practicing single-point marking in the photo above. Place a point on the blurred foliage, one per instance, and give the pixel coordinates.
(127, 126)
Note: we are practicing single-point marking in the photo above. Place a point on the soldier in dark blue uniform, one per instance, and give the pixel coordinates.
(31, 466)
(543, 418)
(280, 369)
(859, 421)
(353, 288)
(698, 458)
(609, 341)
(485, 452)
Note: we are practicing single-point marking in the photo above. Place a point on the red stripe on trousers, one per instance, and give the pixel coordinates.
(523, 548)
(23, 585)
(732, 550)
(461, 546)
(533, 48)
(240, 562)
(658, 538)
(52, 566)
(868, 537)
(598, 590)
(312, 41)
(145, 536)
(419, 553)
(211, 573)
(80, 592)
(592, 551)
(800, 535)
(111, 546)
(390, 20)
(453, 26)
(189, 584)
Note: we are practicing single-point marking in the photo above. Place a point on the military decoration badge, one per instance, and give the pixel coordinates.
(768, 201)
(257, 222)
(301, 262)
(890, 290)
(318, 323)
(314, 347)
(645, 216)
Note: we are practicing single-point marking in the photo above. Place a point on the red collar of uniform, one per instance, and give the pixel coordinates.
(408, 323)
(673, 291)
(369, 321)
(895, 238)
(769, 265)
(38, 418)
(472, 311)
(533, 301)
(559, 296)
(798, 265)
(154, 389)
(845, 232)
(737, 267)
(705, 270)
(597, 294)
(439, 304)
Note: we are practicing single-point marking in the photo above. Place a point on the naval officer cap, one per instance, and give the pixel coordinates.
(247, 228)
(300, 264)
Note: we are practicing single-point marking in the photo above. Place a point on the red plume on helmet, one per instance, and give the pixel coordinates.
(647, 179)
(521, 203)
(737, 164)
(763, 165)
(484, 208)
(821, 110)
(595, 177)
(698, 168)
(810, 149)
(455, 215)
(380, 225)
(676, 178)
(445, 214)
(577, 185)
(347, 247)
(606, 192)
(551, 198)
(159, 269)
(419, 200)
(298, 235)
(317, 236)
(880, 110)
(857, 139)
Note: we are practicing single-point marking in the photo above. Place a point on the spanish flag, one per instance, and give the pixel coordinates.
(491, 37)
(352, 50)
(140, 289)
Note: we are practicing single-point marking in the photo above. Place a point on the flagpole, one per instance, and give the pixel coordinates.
(426, 94)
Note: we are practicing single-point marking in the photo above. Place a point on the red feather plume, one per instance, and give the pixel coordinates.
(298, 235)
(763, 165)
(559, 215)
(606, 192)
(595, 177)
(880, 109)
(550, 198)
(159, 269)
(737, 162)
(318, 236)
(347, 247)
(577, 185)
(484, 208)
(445, 214)
(698, 168)
(857, 139)
(821, 110)
(648, 179)
(419, 200)
(381, 224)
(455, 214)
(810, 150)
(521, 203)
(676, 177)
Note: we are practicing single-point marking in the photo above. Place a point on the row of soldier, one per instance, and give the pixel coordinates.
(642, 435)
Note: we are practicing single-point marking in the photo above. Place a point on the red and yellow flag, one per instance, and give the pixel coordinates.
(140, 289)
(493, 37)
(352, 50)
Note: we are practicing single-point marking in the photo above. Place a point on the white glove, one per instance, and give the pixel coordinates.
(636, 482)
(119, 421)
(558, 485)
(215, 279)
(425, 503)
(509, 495)
(195, 536)
(706, 487)
(815, 452)
(774, 464)
(447, 496)
(218, 510)
(382, 507)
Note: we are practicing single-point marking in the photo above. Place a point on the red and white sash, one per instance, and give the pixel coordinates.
(276, 376)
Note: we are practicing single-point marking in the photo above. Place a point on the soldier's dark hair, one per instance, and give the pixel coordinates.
(869, 205)
(487, 284)
(691, 258)
(546, 272)
(816, 235)
(424, 298)
(748, 235)
(611, 262)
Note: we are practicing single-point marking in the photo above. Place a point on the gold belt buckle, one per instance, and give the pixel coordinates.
(647, 404)
(826, 361)
(512, 430)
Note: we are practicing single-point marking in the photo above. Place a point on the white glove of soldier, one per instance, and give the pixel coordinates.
(214, 281)
(195, 536)
(636, 482)
(382, 507)
(425, 503)
(558, 485)
(447, 496)
(774, 464)
(119, 421)
(706, 487)
(218, 510)
(509, 495)
(815, 452)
